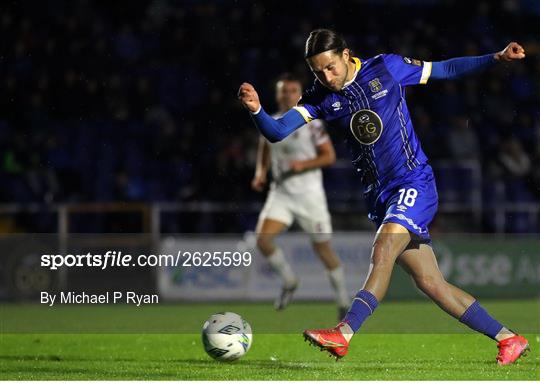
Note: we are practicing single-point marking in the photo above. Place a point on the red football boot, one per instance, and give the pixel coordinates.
(510, 349)
(331, 340)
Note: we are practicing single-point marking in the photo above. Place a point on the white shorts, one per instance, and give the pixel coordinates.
(310, 210)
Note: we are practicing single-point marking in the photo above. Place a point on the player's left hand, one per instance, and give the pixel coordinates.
(259, 182)
(297, 166)
(513, 51)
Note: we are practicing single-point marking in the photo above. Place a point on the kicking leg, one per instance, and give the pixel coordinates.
(422, 265)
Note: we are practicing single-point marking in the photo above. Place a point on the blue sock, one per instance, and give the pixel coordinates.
(364, 304)
(477, 318)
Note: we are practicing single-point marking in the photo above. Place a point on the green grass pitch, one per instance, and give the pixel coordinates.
(402, 341)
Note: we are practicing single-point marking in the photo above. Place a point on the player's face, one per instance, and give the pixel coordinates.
(331, 68)
(287, 94)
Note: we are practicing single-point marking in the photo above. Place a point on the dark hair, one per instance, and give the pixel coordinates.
(289, 77)
(322, 40)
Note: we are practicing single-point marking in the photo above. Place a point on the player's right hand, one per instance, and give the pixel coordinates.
(249, 97)
(258, 183)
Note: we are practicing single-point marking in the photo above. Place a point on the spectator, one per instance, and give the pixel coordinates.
(83, 83)
(462, 140)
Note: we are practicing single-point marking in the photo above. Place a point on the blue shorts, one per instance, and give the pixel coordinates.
(410, 201)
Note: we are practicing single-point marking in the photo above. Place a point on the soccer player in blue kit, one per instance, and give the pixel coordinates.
(367, 97)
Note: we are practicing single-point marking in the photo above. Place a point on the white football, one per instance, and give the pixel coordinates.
(226, 336)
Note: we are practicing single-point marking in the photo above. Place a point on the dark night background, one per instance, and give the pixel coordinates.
(136, 101)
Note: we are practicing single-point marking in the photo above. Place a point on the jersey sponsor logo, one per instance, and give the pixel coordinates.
(366, 126)
(337, 106)
(412, 61)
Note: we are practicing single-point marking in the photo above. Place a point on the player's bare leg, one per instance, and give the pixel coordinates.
(335, 274)
(266, 234)
(421, 264)
(327, 255)
(390, 241)
(267, 231)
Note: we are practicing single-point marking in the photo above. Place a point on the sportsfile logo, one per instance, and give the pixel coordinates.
(119, 259)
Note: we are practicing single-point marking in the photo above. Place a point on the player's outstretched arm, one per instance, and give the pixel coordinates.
(274, 130)
(461, 66)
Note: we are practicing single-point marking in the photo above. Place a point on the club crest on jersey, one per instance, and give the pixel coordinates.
(376, 87)
(366, 126)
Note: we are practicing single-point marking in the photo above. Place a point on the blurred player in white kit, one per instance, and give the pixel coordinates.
(297, 194)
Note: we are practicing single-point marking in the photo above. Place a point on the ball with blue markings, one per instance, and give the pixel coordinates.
(226, 336)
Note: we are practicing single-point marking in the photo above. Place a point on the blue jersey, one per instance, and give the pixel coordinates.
(399, 184)
(372, 107)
